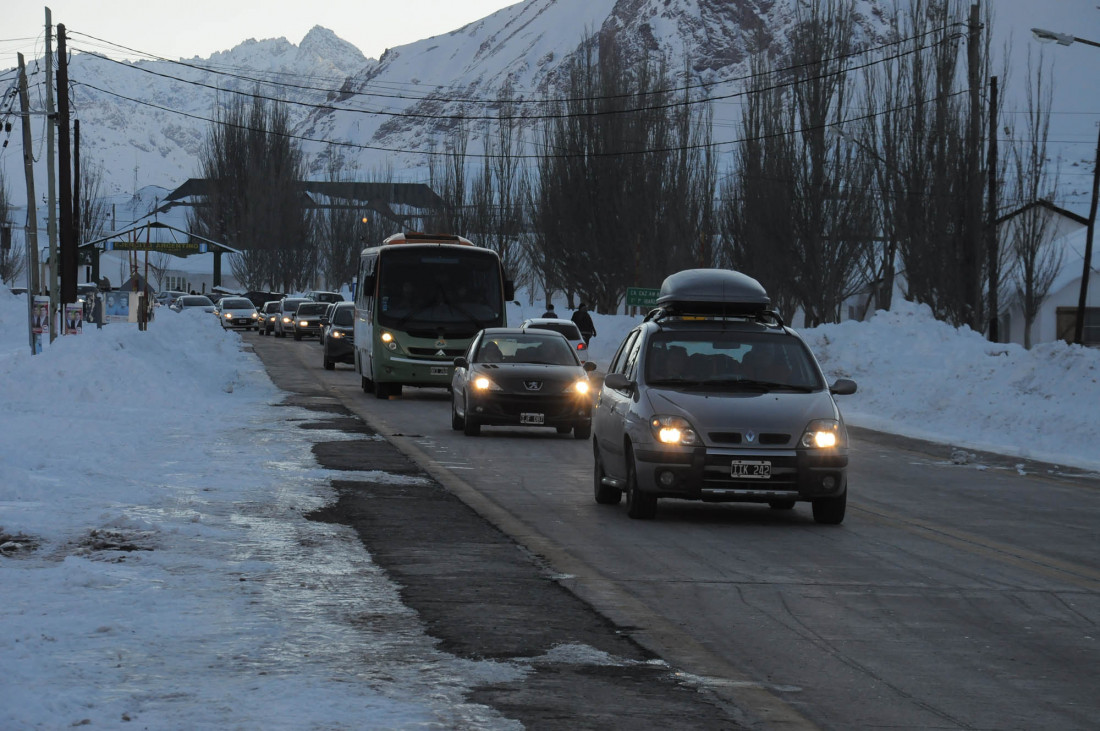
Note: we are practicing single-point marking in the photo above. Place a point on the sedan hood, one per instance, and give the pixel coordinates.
(776, 411)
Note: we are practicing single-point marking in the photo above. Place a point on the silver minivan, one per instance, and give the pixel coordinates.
(712, 398)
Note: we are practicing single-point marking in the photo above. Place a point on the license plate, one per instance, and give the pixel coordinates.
(747, 469)
(531, 418)
(440, 370)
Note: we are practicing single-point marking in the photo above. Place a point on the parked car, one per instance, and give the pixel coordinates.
(269, 313)
(322, 296)
(284, 322)
(338, 340)
(193, 302)
(566, 327)
(168, 297)
(712, 398)
(237, 313)
(521, 377)
(307, 319)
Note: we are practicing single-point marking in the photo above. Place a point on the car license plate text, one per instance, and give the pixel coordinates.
(440, 370)
(747, 469)
(531, 418)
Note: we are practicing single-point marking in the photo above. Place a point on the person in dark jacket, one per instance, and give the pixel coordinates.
(550, 311)
(583, 321)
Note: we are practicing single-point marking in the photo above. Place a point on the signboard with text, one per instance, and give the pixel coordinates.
(641, 297)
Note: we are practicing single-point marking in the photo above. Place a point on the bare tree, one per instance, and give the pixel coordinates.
(13, 261)
(1037, 260)
(255, 202)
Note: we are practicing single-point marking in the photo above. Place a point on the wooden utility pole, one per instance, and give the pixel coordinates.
(1082, 301)
(972, 238)
(31, 231)
(51, 182)
(991, 239)
(67, 267)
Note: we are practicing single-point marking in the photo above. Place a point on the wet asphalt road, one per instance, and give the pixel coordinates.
(482, 596)
(955, 595)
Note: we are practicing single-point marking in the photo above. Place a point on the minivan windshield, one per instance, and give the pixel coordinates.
(731, 359)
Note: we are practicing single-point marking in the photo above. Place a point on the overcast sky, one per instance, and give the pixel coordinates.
(202, 27)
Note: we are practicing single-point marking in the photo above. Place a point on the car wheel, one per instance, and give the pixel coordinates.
(604, 494)
(297, 336)
(640, 505)
(457, 422)
(470, 426)
(781, 504)
(329, 365)
(565, 429)
(830, 510)
(582, 430)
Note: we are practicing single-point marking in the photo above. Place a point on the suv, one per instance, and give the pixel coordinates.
(327, 297)
(712, 398)
(284, 319)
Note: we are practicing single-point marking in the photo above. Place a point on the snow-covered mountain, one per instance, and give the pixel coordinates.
(144, 123)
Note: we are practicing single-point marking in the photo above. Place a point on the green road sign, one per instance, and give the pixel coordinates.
(641, 297)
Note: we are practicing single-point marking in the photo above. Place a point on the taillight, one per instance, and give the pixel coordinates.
(581, 346)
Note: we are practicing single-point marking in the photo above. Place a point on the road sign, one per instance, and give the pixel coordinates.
(641, 297)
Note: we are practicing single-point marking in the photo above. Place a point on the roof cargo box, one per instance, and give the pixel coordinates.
(713, 291)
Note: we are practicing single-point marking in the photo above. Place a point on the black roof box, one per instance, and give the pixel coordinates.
(712, 291)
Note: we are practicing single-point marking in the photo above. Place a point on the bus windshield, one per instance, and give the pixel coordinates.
(421, 289)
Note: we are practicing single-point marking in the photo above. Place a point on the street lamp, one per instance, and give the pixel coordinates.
(1062, 39)
(1066, 39)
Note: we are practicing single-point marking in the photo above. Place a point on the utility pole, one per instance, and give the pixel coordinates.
(31, 231)
(1079, 329)
(78, 231)
(991, 248)
(51, 182)
(67, 267)
(972, 243)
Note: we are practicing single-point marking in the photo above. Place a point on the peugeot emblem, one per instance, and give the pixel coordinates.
(533, 385)
(750, 436)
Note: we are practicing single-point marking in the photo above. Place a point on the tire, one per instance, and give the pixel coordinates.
(830, 510)
(367, 384)
(280, 334)
(329, 365)
(382, 390)
(604, 494)
(457, 422)
(564, 429)
(781, 504)
(582, 430)
(470, 427)
(639, 505)
(297, 336)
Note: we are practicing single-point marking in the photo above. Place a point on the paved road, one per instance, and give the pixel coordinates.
(955, 595)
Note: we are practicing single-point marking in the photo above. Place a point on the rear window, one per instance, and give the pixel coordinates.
(343, 316)
(568, 329)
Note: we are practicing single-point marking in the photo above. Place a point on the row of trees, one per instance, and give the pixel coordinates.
(847, 173)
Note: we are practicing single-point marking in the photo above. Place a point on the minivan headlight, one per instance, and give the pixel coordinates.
(673, 430)
(824, 434)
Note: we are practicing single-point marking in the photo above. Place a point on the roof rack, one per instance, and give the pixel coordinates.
(669, 312)
(417, 237)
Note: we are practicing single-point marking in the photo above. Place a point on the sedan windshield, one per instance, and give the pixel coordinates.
(241, 304)
(527, 348)
(197, 301)
(731, 359)
(343, 316)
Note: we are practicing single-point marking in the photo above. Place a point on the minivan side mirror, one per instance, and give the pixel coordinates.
(618, 381)
(843, 387)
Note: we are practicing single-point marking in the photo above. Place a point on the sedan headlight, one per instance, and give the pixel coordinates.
(483, 383)
(581, 386)
(288, 320)
(228, 316)
(336, 334)
(824, 434)
(673, 430)
(303, 323)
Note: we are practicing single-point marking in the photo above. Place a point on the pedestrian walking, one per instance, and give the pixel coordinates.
(583, 321)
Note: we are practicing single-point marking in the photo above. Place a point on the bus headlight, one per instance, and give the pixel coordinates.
(823, 434)
(673, 430)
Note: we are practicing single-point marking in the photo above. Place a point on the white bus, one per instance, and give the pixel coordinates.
(419, 300)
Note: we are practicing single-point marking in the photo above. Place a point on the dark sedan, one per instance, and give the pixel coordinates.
(521, 377)
(307, 320)
(339, 336)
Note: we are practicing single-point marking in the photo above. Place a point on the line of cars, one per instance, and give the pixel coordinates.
(317, 314)
(710, 398)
